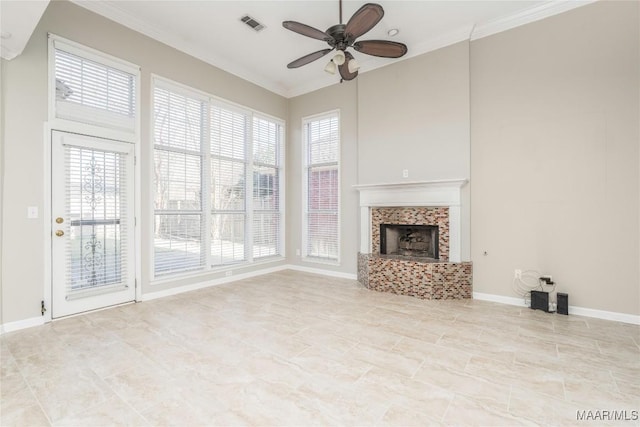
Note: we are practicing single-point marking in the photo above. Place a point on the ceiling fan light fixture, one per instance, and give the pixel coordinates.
(353, 66)
(339, 57)
(330, 67)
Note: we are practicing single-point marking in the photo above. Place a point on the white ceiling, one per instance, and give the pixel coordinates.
(212, 31)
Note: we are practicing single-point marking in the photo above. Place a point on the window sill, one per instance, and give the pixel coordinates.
(321, 261)
(162, 280)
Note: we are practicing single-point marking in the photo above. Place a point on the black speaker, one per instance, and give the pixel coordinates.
(540, 300)
(563, 303)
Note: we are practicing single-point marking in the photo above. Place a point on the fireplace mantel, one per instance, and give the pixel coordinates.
(408, 194)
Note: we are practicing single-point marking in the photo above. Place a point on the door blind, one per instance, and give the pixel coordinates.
(96, 221)
(322, 139)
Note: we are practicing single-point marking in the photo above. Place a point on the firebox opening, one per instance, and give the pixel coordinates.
(409, 240)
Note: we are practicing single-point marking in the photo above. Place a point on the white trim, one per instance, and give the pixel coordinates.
(21, 324)
(500, 299)
(46, 216)
(305, 188)
(322, 272)
(444, 192)
(214, 282)
(533, 14)
(94, 55)
(573, 310)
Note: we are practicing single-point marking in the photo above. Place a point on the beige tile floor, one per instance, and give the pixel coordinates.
(298, 349)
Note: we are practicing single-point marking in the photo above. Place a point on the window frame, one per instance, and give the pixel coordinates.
(207, 207)
(306, 166)
(94, 55)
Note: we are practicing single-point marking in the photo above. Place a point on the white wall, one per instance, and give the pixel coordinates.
(554, 155)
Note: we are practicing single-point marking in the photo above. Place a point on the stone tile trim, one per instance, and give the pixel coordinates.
(414, 216)
(425, 280)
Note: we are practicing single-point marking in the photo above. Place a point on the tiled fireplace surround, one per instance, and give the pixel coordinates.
(415, 203)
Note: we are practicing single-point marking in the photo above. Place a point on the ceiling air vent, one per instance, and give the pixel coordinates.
(252, 23)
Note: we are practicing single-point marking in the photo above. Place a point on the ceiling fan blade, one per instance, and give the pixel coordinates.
(382, 48)
(308, 58)
(344, 68)
(363, 20)
(306, 30)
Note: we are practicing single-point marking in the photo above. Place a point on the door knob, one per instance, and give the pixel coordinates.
(59, 233)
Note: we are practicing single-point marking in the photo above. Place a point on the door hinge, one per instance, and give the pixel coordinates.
(135, 283)
(135, 160)
(42, 308)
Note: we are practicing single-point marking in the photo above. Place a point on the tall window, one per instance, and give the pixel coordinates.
(322, 201)
(178, 157)
(267, 178)
(217, 185)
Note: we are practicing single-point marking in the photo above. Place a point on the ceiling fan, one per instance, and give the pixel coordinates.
(341, 36)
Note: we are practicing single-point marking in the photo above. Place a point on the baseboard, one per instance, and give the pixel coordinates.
(215, 282)
(21, 324)
(322, 271)
(607, 315)
(578, 311)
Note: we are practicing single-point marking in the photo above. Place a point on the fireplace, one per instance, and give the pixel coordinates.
(409, 240)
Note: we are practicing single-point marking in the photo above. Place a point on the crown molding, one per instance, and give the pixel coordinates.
(114, 13)
(525, 17)
(467, 33)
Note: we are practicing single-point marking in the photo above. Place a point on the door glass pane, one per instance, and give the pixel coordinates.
(96, 201)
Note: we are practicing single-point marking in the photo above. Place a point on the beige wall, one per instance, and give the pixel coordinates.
(554, 155)
(25, 101)
(342, 97)
(414, 115)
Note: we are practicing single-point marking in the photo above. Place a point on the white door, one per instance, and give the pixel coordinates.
(92, 209)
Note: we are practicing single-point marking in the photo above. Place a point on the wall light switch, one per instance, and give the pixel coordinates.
(32, 212)
(405, 173)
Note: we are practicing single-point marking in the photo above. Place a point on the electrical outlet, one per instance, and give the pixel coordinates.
(228, 273)
(297, 252)
(405, 173)
(518, 273)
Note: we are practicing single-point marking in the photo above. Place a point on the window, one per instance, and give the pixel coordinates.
(322, 201)
(267, 176)
(178, 158)
(217, 182)
(93, 88)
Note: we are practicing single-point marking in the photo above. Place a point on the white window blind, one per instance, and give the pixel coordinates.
(217, 183)
(267, 160)
(229, 130)
(178, 171)
(321, 228)
(94, 90)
